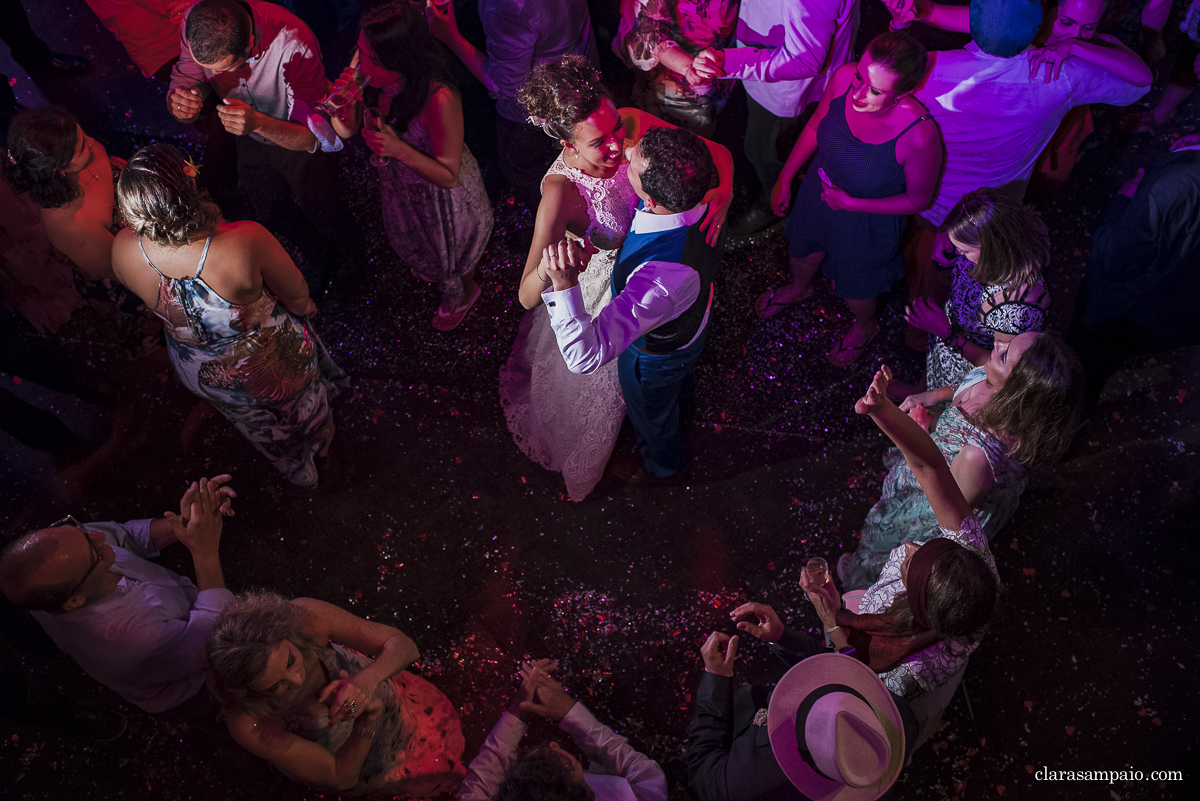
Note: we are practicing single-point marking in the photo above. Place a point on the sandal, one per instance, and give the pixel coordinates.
(843, 356)
(766, 306)
(448, 322)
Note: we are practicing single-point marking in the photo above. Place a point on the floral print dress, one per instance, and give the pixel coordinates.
(693, 25)
(263, 367)
(417, 750)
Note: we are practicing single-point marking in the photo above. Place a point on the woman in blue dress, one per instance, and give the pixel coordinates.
(878, 157)
(235, 308)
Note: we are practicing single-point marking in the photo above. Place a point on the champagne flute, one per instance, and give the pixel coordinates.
(373, 119)
(340, 97)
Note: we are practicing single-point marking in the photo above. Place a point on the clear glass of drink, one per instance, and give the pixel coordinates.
(818, 571)
(373, 120)
(340, 97)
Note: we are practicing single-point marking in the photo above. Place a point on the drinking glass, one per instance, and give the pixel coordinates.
(340, 97)
(818, 571)
(373, 119)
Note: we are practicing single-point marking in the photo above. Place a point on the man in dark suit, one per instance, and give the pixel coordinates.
(1141, 291)
(730, 756)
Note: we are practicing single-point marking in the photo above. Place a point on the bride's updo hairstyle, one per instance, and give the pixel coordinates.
(160, 201)
(41, 144)
(558, 96)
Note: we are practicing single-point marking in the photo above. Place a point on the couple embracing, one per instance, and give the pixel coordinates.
(618, 318)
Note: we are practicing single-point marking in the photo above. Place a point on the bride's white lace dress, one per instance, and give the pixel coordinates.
(563, 421)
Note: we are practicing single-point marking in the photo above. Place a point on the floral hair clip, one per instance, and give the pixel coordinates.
(190, 168)
(544, 124)
(10, 156)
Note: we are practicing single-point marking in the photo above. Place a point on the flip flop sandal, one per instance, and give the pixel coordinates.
(448, 322)
(837, 360)
(767, 307)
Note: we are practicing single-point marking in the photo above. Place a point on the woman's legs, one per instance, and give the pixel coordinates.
(864, 329)
(804, 269)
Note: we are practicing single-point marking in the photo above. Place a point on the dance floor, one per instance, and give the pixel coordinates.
(427, 516)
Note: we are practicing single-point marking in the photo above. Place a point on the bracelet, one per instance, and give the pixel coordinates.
(369, 733)
(539, 275)
(832, 630)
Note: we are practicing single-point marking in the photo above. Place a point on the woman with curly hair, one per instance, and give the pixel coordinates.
(324, 696)
(1018, 410)
(567, 422)
(997, 293)
(70, 177)
(236, 311)
(435, 209)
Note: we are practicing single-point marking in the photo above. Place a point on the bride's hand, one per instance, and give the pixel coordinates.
(718, 200)
(345, 698)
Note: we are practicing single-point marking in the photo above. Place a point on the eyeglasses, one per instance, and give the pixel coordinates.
(98, 557)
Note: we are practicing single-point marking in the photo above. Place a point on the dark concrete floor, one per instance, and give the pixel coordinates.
(430, 518)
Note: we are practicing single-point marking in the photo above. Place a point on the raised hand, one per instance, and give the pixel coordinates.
(758, 620)
(709, 64)
(238, 117)
(719, 652)
(718, 200)
(441, 21)
(227, 495)
(201, 534)
(875, 399)
(923, 313)
(185, 104)
(549, 700)
(564, 262)
(1190, 140)
(825, 597)
(1052, 57)
(345, 698)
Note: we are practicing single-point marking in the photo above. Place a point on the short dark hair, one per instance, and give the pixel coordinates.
(679, 169)
(541, 775)
(19, 561)
(217, 29)
(41, 143)
(903, 56)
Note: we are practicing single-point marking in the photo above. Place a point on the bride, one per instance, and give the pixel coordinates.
(566, 422)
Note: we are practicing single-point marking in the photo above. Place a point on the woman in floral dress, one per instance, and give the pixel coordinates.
(236, 311)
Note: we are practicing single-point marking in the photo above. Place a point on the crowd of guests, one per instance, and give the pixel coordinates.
(913, 166)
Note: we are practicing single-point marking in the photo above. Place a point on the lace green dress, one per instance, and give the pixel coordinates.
(903, 514)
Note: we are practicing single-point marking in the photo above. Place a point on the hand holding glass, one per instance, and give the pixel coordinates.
(373, 120)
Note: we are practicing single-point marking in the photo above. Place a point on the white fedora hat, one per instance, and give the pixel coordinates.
(835, 730)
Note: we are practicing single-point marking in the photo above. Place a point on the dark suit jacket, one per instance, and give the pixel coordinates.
(728, 765)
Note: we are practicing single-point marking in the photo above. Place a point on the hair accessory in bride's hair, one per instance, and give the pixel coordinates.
(10, 156)
(544, 124)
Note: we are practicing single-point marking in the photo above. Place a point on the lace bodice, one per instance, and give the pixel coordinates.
(610, 201)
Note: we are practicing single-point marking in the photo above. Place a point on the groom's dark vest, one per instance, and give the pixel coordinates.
(683, 245)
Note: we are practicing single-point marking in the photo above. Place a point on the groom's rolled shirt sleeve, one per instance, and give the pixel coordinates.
(656, 293)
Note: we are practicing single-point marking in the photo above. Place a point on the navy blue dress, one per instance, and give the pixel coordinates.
(862, 251)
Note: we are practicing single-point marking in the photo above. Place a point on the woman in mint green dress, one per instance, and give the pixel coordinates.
(990, 439)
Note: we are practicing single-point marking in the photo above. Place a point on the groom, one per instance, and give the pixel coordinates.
(662, 290)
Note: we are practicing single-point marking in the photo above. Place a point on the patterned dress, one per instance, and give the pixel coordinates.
(567, 422)
(862, 250)
(417, 750)
(903, 513)
(694, 25)
(263, 367)
(929, 669)
(981, 311)
(439, 233)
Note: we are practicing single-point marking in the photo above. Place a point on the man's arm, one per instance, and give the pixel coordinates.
(809, 31)
(656, 293)
(487, 770)
(189, 84)
(202, 534)
(613, 751)
(937, 15)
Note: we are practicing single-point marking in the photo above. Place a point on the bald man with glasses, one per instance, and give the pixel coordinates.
(134, 626)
